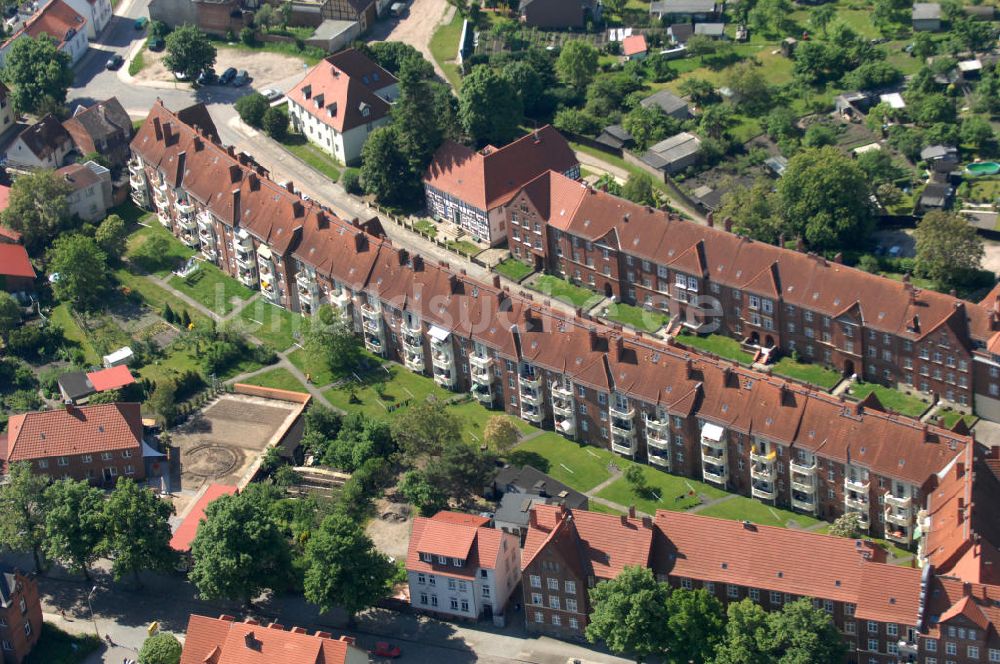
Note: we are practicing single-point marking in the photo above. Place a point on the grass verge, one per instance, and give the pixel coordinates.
(212, 288)
(892, 399)
(739, 508)
(646, 320)
(444, 49)
(279, 379)
(814, 374)
(513, 269)
(563, 290)
(717, 345)
(277, 327)
(312, 155)
(138, 62)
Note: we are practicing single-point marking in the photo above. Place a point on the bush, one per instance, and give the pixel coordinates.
(252, 109)
(351, 181)
(275, 123)
(247, 36)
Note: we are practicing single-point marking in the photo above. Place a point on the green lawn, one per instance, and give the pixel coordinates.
(892, 399)
(580, 466)
(603, 509)
(563, 290)
(160, 263)
(320, 376)
(513, 269)
(740, 508)
(212, 288)
(426, 226)
(444, 49)
(156, 297)
(465, 247)
(667, 492)
(646, 320)
(401, 388)
(717, 345)
(474, 417)
(311, 55)
(621, 163)
(951, 417)
(62, 316)
(313, 155)
(277, 327)
(138, 62)
(814, 374)
(279, 379)
(58, 647)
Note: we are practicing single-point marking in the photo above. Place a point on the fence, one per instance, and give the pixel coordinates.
(411, 226)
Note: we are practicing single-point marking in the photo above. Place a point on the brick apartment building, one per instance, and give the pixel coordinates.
(681, 411)
(224, 640)
(886, 613)
(844, 318)
(95, 443)
(20, 615)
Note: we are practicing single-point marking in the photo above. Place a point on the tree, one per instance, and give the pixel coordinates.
(637, 480)
(694, 624)
(819, 134)
(421, 130)
(489, 107)
(74, 527)
(948, 248)
(821, 17)
(698, 90)
(111, 236)
(877, 74)
(22, 502)
(462, 470)
(715, 121)
(10, 314)
(343, 567)
(239, 549)
(576, 121)
(38, 75)
(780, 122)
(649, 125)
(801, 633)
(630, 614)
(189, 51)
(83, 272)
(933, 108)
(846, 525)
(417, 489)
(616, 7)
(161, 648)
(426, 430)
(38, 208)
(771, 17)
(501, 433)
(385, 168)
(265, 16)
(275, 123)
(749, 85)
(745, 639)
(752, 210)
(823, 196)
(252, 107)
(924, 45)
(138, 531)
(639, 189)
(976, 131)
(530, 86)
(330, 340)
(577, 64)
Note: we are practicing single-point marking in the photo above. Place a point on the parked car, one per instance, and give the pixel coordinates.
(241, 79)
(207, 77)
(271, 94)
(227, 76)
(156, 44)
(140, 23)
(386, 649)
(180, 76)
(114, 62)
(397, 9)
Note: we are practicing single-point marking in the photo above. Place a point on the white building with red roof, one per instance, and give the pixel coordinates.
(223, 640)
(97, 12)
(458, 566)
(16, 272)
(340, 101)
(58, 21)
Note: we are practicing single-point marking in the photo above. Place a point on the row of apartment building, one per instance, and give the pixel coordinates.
(685, 413)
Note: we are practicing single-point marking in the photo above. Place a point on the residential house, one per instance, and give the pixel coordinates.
(634, 47)
(104, 128)
(340, 101)
(674, 154)
(679, 33)
(941, 160)
(615, 136)
(926, 16)
(711, 30)
(20, 615)
(7, 116)
(97, 13)
(935, 196)
(557, 14)
(45, 144)
(16, 272)
(226, 641)
(187, 529)
(669, 103)
(94, 443)
(457, 566)
(854, 104)
(90, 190)
(76, 386)
(469, 187)
(55, 19)
(685, 11)
(529, 480)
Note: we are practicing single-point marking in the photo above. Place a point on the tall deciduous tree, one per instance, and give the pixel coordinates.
(385, 168)
(38, 208)
(330, 341)
(189, 51)
(162, 648)
(422, 115)
(577, 64)
(343, 568)
(10, 314)
(38, 75)
(74, 524)
(639, 189)
(252, 107)
(846, 525)
(83, 271)
(630, 614)
(111, 236)
(489, 107)
(239, 549)
(694, 624)
(501, 433)
(745, 639)
(800, 634)
(22, 502)
(426, 430)
(138, 531)
(948, 248)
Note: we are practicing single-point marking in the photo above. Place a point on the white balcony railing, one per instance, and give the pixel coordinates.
(860, 486)
(856, 503)
(802, 469)
(623, 445)
(713, 455)
(894, 517)
(443, 361)
(804, 505)
(715, 474)
(532, 413)
(477, 361)
(558, 389)
(624, 413)
(896, 501)
(659, 458)
(762, 471)
(531, 381)
(761, 491)
(804, 487)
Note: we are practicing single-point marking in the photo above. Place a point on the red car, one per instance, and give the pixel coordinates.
(386, 649)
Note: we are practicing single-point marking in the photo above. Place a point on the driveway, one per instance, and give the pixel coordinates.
(416, 27)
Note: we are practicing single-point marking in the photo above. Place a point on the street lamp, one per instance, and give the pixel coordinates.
(93, 618)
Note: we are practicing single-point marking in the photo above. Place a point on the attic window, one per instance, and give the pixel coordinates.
(837, 583)
(375, 76)
(881, 315)
(725, 565)
(534, 345)
(816, 295)
(769, 421)
(739, 273)
(836, 301)
(670, 253)
(668, 389)
(781, 575)
(862, 450)
(725, 408)
(812, 433)
(748, 384)
(892, 600)
(378, 282)
(100, 428)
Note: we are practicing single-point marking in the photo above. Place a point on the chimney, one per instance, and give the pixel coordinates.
(168, 133)
(592, 333)
(533, 518)
(535, 138)
(322, 221)
(444, 265)
(360, 243)
(235, 174)
(298, 209)
(254, 182)
(251, 642)
(324, 635)
(624, 519)
(959, 470)
(496, 281)
(349, 640)
(403, 256)
(647, 522)
(290, 187)
(838, 258)
(418, 265)
(727, 223)
(953, 292)
(625, 217)
(231, 151)
(631, 511)
(158, 130)
(199, 144)
(710, 219)
(250, 621)
(276, 626)
(227, 617)
(299, 630)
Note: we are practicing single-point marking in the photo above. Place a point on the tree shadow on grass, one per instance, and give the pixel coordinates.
(527, 458)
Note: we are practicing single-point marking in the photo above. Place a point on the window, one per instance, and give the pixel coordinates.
(27, 628)
(828, 606)
(431, 580)
(486, 591)
(574, 623)
(556, 619)
(994, 655)
(87, 458)
(457, 562)
(536, 599)
(536, 581)
(873, 645)
(43, 463)
(554, 602)
(553, 583)
(23, 606)
(461, 586)
(7, 645)
(972, 652)
(686, 584)
(539, 617)
(710, 587)
(126, 454)
(63, 461)
(452, 585)
(423, 598)
(732, 591)
(571, 605)
(950, 648)
(570, 587)
(106, 456)
(849, 627)
(849, 609)
(421, 579)
(930, 645)
(754, 594)
(775, 597)
(465, 606)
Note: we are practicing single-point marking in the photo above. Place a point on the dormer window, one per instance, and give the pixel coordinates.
(442, 560)
(426, 557)
(457, 562)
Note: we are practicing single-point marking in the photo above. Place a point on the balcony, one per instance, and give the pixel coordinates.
(269, 291)
(209, 252)
(763, 457)
(900, 536)
(477, 361)
(861, 486)
(803, 503)
(341, 298)
(414, 360)
(444, 377)
(247, 277)
(565, 424)
(371, 312)
(907, 649)
(804, 487)
(532, 413)
(137, 182)
(184, 206)
(243, 257)
(189, 239)
(531, 381)
(205, 221)
(808, 470)
(164, 218)
(661, 427)
(413, 341)
(206, 235)
(896, 501)
(621, 412)
(659, 457)
(443, 361)
(855, 502)
(657, 440)
(619, 428)
(711, 454)
(562, 405)
(559, 390)
(894, 517)
(373, 326)
(762, 491)
(187, 222)
(374, 344)
(715, 474)
(762, 471)
(532, 397)
(135, 168)
(483, 394)
(305, 296)
(623, 445)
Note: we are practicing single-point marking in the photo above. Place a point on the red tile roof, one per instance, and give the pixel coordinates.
(489, 178)
(74, 430)
(186, 531)
(224, 641)
(633, 45)
(950, 598)
(608, 543)
(339, 89)
(14, 261)
(111, 379)
(56, 20)
(453, 535)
